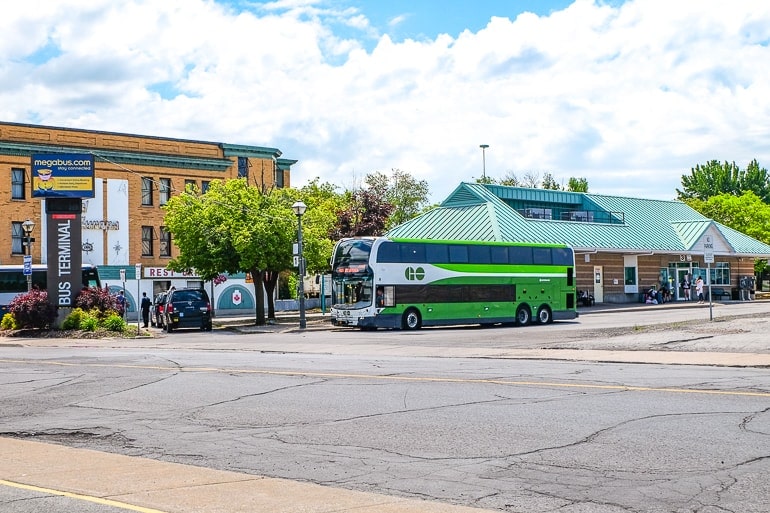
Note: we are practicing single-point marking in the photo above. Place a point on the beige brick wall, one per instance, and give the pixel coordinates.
(261, 174)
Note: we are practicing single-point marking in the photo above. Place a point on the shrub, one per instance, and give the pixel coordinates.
(9, 322)
(32, 310)
(73, 320)
(89, 323)
(91, 298)
(114, 322)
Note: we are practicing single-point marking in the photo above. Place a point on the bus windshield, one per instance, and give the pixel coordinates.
(352, 278)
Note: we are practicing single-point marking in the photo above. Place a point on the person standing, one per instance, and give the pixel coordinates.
(699, 289)
(120, 303)
(686, 287)
(146, 303)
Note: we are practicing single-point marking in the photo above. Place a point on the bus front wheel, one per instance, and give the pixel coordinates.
(544, 315)
(411, 319)
(523, 315)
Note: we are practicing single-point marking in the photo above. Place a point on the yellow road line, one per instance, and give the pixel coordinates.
(80, 497)
(425, 379)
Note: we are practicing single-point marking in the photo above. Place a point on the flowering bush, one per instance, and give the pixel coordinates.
(32, 310)
(96, 298)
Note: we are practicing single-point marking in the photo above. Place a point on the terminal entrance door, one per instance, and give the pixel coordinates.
(598, 284)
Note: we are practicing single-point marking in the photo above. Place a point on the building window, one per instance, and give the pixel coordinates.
(146, 191)
(243, 167)
(205, 186)
(17, 238)
(17, 183)
(147, 236)
(190, 186)
(720, 275)
(164, 191)
(278, 177)
(165, 242)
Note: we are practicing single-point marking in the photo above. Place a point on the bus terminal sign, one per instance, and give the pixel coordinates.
(62, 175)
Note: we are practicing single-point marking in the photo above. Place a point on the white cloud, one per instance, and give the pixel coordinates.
(630, 98)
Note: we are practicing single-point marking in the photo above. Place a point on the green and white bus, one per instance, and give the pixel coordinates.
(379, 282)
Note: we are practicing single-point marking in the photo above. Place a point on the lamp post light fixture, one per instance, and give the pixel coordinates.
(27, 226)
(484, 161)
(299, 209)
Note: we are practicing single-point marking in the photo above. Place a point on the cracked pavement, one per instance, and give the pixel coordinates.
(499, 434)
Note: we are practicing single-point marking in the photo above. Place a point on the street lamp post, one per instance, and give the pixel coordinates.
(299, 209)
(484, 161)
(28, 226)
(138, 269)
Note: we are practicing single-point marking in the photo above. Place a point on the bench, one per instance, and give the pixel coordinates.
(719, 292)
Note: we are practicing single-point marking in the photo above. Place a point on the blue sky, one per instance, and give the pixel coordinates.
(628, 94)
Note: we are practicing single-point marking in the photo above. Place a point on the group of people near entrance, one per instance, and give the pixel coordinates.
(663, 294)
(686, 286)
(120, 303)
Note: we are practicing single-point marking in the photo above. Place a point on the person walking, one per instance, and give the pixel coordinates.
(146, 303)
(699, 290)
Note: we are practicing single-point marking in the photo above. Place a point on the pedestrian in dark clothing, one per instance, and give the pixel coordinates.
(146, 303)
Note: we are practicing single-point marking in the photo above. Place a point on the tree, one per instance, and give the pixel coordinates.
(746, 213)
(577, 184)
(549, 182)
(408, 195)
(510, 180)
(366, 213)
(232, 228)
(715, 178)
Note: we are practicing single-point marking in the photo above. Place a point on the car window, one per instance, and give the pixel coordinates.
(188, 295)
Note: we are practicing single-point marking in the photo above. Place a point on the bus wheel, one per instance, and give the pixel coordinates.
(544, 316)
(523, 315)
(411, 320)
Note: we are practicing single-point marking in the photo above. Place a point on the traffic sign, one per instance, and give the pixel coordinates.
(708, 250)
(27, 265)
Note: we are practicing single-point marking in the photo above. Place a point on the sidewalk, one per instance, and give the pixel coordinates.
(101, 482)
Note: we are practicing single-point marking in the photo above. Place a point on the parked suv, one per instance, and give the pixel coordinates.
(187, 308)
(156, 310)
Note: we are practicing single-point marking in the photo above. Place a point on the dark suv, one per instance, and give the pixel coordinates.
(187, 308)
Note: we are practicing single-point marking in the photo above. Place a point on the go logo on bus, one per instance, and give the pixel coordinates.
(413, 274)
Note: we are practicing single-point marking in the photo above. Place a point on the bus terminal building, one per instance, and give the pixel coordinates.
(123, 222)
(623, 246)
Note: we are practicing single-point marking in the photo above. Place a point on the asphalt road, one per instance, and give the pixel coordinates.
(415, 421)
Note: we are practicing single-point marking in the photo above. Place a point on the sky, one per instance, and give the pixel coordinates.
(629, 95)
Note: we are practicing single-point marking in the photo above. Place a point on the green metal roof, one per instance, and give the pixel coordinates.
(498, 213)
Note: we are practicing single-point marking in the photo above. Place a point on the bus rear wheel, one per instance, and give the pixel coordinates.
(411, 320)
(544, 315)
(523, 315)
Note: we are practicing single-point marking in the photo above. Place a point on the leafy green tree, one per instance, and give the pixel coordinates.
(746, 213)
(577, 184)
(715, 178)
(549, 182)
(233, 228)
(408, 195)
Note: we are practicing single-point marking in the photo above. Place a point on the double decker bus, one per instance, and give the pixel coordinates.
(13, 281)
(381, 282)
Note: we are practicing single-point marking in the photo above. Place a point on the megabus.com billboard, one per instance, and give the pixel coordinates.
(63, 175)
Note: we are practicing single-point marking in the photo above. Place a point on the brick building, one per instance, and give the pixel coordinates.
(134, 177)
(623, 246)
